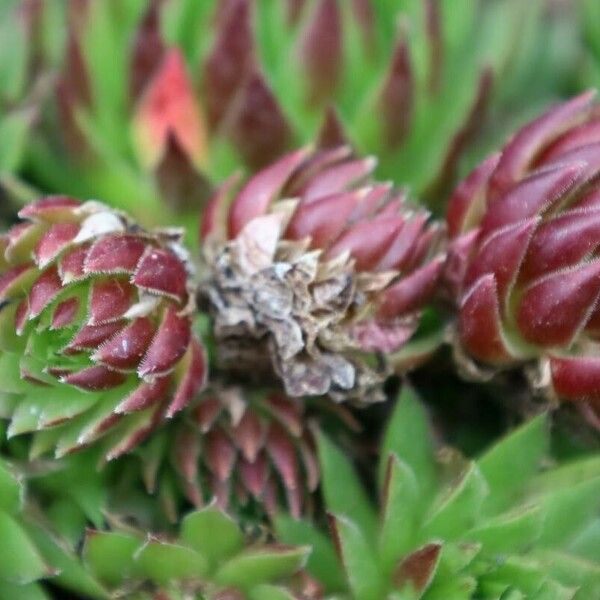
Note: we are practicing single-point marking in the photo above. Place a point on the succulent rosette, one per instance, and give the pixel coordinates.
(155, 99)
(95, 330)
(317, 274)
(252, 450)
(209, 559)
(524, 258)
(508, 524)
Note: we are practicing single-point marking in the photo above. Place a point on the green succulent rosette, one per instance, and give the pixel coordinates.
(510, 524)
(208, 560)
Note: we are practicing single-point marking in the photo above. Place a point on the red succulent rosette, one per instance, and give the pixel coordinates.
(249, 449)
(524, 262)
(95, 327)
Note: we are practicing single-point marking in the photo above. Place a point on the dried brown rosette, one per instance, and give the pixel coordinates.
(317, 274)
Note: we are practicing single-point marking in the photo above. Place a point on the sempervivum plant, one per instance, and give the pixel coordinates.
(95, 329)
(498, 527)
(208, 560)
(524, 264)
(155, 98)
(252, 450)
(315, 273)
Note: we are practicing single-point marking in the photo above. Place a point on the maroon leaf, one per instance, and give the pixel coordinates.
(531, 196)
(367, 241)
(182, 186)
(502, 253)
(95, 379)
(229, 62)
(576, 378)
(331, 133)
(555, 308)
(418, 568)
(53, 242)
(258, 126)
(126, 348)
(9, 280)
(52, 209)
(397, 95)
(44, 290)
(194, 377)
(167, 347)
(521, 152)
(248, 436)
(148, 50)
(162, 272)
(403, 248)
(70, 267)
(207, 412)
(411, 292)
(91, 336)
(479, 323)
(255, 474)
(65, 313)
(282, 452)
(261, 190)
(321, 50)
(323, 221)
(338, 178)
(144, 396)
(468, 200)
(115, 254)
(220, 454)
(560, 242)
(109, 300)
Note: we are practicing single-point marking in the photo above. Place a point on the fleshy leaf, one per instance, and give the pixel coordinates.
(343, 492)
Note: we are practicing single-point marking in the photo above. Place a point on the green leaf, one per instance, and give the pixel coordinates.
(522, 573)
(408, 436)
(362, 571)
(262, 565)
(213, 534)
(566, 475)
(14, 128)
(110, 555)
(342, 489)
(72, 573)
(322, 563)
(551, 590)
(270, 592)
(587, 543)
(400, 509)
(20, 561)
(459, 509)
(9, 374)
(13, 53)
(568, 511)
(456, 588)
(570, 570)
(11, 490)
(16, 591)
(161, 562)
(510, 464)
(509, 533)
